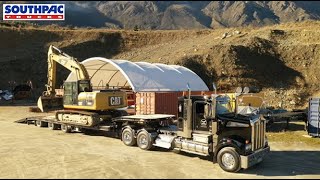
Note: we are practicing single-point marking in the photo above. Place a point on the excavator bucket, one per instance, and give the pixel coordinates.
(46, 104)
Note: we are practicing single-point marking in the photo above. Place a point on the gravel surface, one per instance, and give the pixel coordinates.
(27, 151)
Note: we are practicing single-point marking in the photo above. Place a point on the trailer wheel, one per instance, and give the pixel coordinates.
(128, 137)
(53, 126)
(229, 159)
(66, 128)
(144, 140)
(40, 123)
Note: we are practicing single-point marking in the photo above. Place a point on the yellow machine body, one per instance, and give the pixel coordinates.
(99, 101)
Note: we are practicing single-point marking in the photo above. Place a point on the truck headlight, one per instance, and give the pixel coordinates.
(248, 147)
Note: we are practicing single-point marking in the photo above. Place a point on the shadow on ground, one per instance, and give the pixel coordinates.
(18, 103)
(287, 163)
(283, 126)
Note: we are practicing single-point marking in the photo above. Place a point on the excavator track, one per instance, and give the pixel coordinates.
(74, 117)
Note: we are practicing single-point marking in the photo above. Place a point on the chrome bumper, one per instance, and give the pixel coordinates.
(254, 158)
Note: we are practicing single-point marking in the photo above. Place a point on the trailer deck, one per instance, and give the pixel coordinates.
(103, 126)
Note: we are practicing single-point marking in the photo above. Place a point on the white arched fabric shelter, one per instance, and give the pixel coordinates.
(140, 76)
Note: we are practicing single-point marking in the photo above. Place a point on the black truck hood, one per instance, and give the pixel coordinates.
(248, 119)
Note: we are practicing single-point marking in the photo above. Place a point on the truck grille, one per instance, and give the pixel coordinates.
(258, 134)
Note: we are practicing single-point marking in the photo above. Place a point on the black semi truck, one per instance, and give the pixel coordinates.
(233, 140)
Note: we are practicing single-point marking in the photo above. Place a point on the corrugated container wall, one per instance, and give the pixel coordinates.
(160, 102)
(314, 117)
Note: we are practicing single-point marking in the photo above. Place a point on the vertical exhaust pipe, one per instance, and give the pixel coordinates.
(189, 91)
(214, 87)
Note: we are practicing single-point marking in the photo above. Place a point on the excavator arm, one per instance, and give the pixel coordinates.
(55, 56)
(49, 100)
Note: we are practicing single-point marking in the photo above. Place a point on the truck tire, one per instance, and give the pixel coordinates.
(40, 123)
(128, 138)
(144, 140)
(228, 159)
(66, 128)
(52, 126)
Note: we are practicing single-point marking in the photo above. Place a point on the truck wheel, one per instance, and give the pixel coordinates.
(52, 126)
(66, 128)
(229, 159)
(144, 140)
(41, 123)
(128, 137)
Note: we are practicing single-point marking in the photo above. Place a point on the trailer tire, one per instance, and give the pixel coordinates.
(66, 128)
(229, 160)
(144, 140)
(53, 126)
(127, 137)
(40, 123)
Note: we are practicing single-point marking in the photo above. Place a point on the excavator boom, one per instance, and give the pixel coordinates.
(48, 100)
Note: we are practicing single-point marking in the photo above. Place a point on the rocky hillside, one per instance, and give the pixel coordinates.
(184, 14)
(281, 60)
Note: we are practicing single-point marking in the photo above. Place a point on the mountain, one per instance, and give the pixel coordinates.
(184, 14)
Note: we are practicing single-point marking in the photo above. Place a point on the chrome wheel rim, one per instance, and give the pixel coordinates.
(143, 140)
(127, 137)
(228, 160)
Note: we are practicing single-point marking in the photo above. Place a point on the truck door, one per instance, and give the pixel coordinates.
(199, 122)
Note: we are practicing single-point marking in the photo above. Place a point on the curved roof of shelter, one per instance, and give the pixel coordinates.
(140, 76)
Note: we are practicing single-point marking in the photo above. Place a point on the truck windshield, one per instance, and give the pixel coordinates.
(223, 105)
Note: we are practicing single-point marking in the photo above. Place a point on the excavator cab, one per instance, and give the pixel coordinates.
(72, 90)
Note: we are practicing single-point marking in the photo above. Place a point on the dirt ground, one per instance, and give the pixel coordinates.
(28, 151)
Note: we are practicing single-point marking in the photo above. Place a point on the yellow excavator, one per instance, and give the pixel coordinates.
(79, 104)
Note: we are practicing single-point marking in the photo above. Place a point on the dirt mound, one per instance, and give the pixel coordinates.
(281, 60)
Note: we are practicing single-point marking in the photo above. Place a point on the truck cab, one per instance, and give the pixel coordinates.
(207, 127)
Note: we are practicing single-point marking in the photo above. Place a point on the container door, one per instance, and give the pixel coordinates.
(145, 103)
(313, 117)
